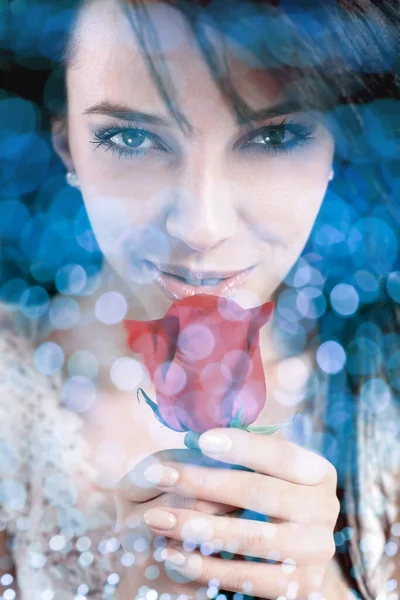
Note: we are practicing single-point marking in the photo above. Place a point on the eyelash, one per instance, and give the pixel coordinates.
(303, 136)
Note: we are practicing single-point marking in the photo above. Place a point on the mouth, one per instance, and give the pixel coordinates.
(178, 282)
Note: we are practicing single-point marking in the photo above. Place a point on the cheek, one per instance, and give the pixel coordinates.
(287, 194)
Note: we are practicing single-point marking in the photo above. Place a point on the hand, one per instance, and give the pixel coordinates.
(134, 496)
(293, 485)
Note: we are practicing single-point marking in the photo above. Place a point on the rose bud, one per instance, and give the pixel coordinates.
(204, 359)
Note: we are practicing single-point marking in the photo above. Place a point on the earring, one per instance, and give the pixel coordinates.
(332, 174)
(72, 179)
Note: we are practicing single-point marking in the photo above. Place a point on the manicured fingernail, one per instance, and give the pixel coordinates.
(215, 443)
(173, 557)
(159, 519)
(161, 475)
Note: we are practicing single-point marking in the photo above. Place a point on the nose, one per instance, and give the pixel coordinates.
(202, 211)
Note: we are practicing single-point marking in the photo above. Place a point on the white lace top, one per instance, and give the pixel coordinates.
(61, 550)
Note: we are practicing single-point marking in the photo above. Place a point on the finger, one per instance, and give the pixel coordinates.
(135, 487)
(247, 577)
(129, 520)
(259, 493)
(267, 454)
(302, 544)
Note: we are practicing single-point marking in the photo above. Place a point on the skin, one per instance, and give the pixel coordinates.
(267, 201)
(217, 204)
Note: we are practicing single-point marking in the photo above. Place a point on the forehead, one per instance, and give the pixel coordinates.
(110, 59)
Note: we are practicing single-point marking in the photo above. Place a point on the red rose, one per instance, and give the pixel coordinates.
(204, 359)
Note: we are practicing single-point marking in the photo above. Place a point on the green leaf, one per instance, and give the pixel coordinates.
(270, 429)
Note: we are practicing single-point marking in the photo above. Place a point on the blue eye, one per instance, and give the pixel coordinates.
(128, 141)
(281, 138)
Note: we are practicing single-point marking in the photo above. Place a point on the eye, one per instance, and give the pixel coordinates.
(132, 138)
(128, 141)
(281, 138)
(273, 136)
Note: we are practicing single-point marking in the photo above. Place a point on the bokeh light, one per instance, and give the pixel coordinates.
(344, 299)
(338, 305)
(331, 357)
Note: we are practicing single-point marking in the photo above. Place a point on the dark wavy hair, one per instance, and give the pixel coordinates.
(339, 57)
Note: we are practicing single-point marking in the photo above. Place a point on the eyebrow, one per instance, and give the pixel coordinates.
(125, 113)
(285, 107)
(120, 111)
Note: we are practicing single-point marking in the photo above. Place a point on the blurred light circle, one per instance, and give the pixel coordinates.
(49, 358)
(230, 309)
(34, 302)
(286, 398)
(11, 292)
(64, 313)
(293, 374)
(389, 344)
(287, 306)
(170, 378)
(13, 494)
(307, 275)
(79, 394)
(234, 308)
(344, 299)
(373, 245)
(83, 363)
(393, 286)
(18, 115)
(216, 378)
(289, 336)
(380, 120)
(33, 163)
(196, 341)
(368, 286)
(331, 357)
(311, 302)
(126, 374)
(364, 357)
(302, 276)
(41, 272)
(71, 279)
(375, 395)
(366, 281)
(370, 330)
(13, 216)
(111, 308)
(238, 363)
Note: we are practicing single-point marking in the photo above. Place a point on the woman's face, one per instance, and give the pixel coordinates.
(214, 196)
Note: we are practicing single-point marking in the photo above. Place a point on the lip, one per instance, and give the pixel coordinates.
(197, 275)
(177, 289)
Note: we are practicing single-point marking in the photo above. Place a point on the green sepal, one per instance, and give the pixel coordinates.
(191, 440)
(153, 406)
(237, 419)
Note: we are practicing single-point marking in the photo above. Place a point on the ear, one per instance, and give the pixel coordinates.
(59, 136)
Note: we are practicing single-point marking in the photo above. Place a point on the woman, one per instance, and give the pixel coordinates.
(216, 137)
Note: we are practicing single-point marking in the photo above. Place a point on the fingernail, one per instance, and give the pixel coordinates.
(161, 475)
(215, 443)
(173, 557)
(159, 519)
